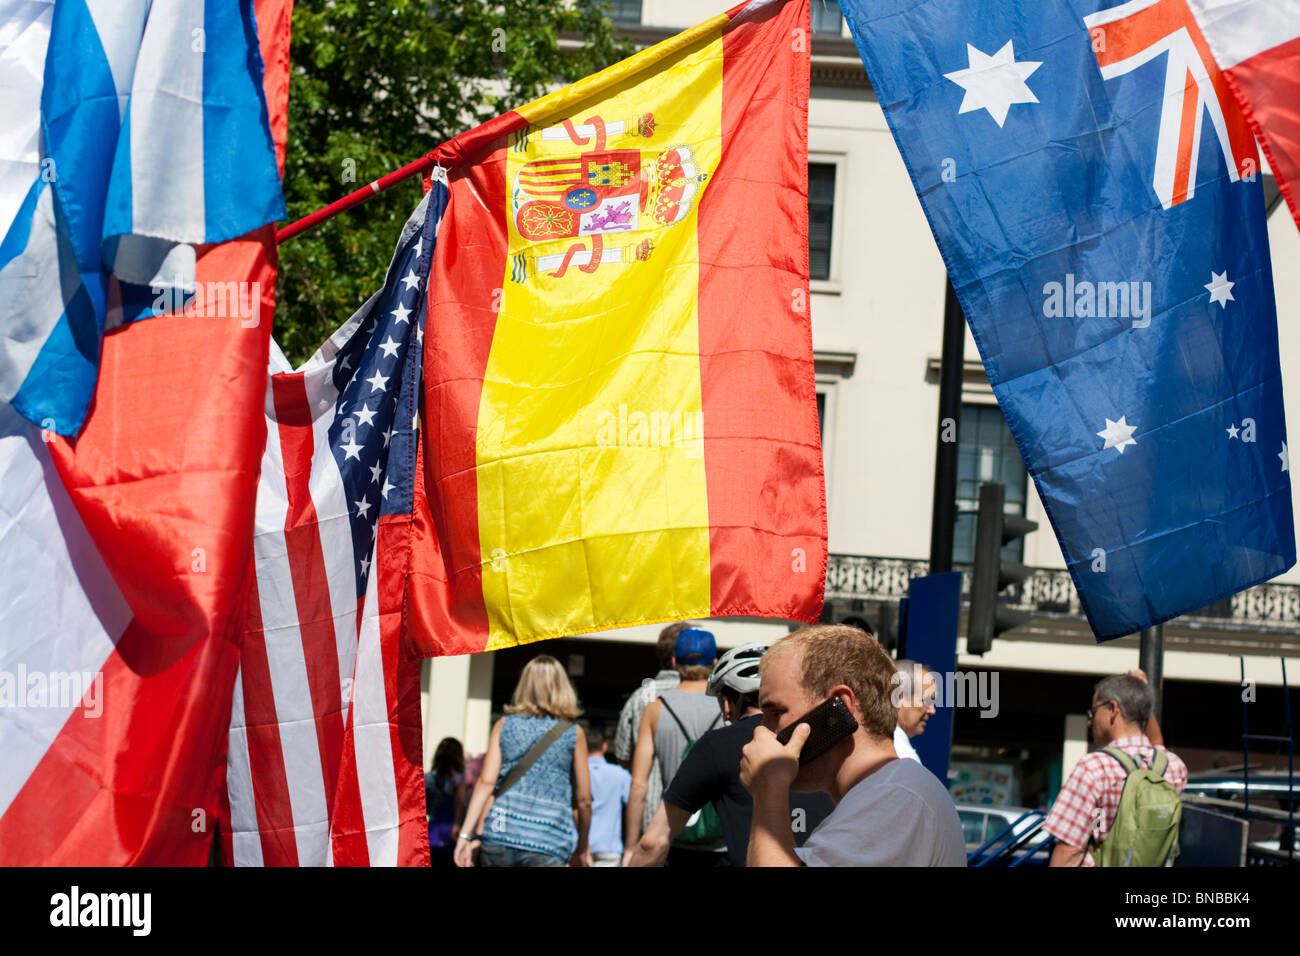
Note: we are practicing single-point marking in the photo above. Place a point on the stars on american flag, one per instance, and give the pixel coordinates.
(371, 372)
(1286, 458)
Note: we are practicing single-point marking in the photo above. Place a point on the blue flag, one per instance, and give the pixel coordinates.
(1095, 195)
(153, 138)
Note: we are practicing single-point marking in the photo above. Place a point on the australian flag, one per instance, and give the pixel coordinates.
(1096, 196)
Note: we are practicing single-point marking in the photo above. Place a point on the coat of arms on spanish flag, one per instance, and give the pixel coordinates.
(619, 413)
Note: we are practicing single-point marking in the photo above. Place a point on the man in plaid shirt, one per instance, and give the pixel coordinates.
(1085, 808)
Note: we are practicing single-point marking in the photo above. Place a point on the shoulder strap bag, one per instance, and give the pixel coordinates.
(542, 745)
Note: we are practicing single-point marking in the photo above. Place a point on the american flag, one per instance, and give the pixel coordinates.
(324, 765)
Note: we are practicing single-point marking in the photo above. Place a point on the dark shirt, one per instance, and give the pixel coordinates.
(711, 773)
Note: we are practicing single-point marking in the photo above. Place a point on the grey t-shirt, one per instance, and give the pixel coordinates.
(698, 712)
(901, 815)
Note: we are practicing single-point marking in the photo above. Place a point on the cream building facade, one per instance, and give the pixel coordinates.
(877, 318)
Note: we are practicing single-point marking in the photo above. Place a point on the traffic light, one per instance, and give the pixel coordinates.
(988, 617)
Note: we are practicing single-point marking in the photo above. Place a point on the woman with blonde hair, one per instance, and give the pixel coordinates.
(536, 774)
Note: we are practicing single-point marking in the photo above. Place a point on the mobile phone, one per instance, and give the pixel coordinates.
(830, 721)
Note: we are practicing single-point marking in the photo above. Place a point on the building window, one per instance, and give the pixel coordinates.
(821, 214)
(626, 11)
(826, 17)
(826, 395)
(986, 452)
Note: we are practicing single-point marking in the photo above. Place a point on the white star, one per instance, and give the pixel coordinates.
(411, 280)
(1220, 288)
(1232, 430)
(419, 246)
(362, 506)
(374, 472)
(1286, 458)
(994, 82)
(388, 347)
(1117, 434)
(401, 313)
(346, 364)
(365, 416)
(388, 436)
(351, 450)
(377, 382)
(387, 488)
(365, 566)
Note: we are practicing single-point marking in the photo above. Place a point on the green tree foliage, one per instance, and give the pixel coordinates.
(376, 84)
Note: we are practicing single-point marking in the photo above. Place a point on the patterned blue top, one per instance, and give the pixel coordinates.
(537, 812)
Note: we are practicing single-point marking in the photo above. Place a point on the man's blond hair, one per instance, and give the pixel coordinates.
(544, 691)
(835, 654)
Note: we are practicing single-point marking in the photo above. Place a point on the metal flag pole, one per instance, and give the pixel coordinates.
(1151, 658)
(943, 519)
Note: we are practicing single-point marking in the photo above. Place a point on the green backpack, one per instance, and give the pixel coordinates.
(704, 828)
(1145, 831)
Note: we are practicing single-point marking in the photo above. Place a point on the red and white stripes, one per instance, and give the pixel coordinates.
(314, 757)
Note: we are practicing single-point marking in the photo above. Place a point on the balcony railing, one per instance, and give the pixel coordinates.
(1050, 591)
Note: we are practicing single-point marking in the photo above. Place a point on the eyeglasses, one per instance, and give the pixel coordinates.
(1092, 711)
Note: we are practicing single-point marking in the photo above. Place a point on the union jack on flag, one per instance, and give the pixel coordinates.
(325, 761)
(1127, 37)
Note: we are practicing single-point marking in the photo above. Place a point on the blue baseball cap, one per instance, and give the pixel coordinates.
(695, 646)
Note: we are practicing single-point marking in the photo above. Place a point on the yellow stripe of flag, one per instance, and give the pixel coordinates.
(590, 463)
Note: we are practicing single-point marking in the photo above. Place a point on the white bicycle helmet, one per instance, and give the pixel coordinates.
(737, 669)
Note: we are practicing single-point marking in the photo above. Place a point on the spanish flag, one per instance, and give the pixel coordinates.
(619, 418)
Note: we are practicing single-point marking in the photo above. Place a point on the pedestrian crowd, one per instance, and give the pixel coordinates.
(798, 752)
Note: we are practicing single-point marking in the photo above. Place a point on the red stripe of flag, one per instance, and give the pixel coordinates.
(758, 451)
(265, 751)
(456, 349)
(402, 687)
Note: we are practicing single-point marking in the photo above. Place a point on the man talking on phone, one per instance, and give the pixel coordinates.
(888, 812)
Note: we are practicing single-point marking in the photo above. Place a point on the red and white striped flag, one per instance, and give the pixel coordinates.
(1256, 44)
(325, 760)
